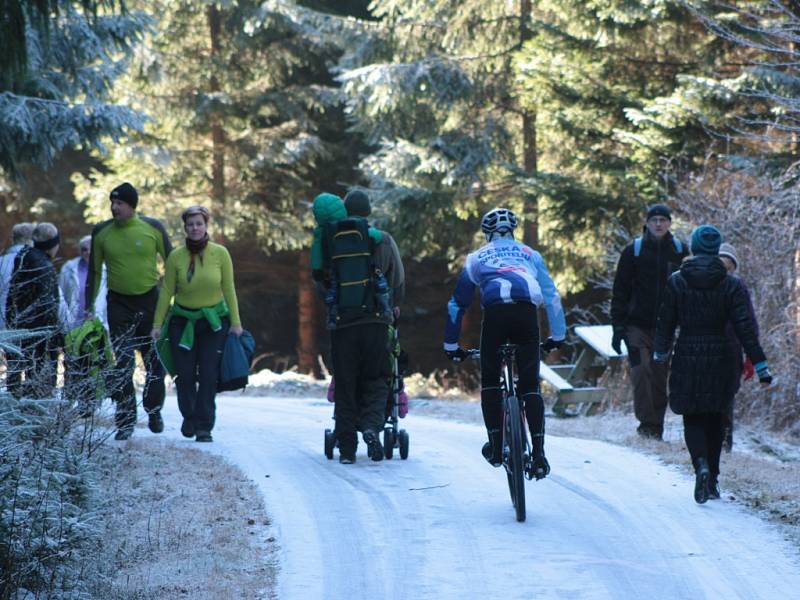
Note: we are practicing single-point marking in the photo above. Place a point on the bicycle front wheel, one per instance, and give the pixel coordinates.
(515, 466)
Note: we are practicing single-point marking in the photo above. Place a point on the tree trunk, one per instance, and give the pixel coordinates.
(529, 150)
(217, 131)
(531, 206)
(797, 298)
(307, 343)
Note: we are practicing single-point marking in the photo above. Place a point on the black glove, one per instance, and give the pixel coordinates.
(550, 344)
(617, 339)
(457, 355)
(764, 376)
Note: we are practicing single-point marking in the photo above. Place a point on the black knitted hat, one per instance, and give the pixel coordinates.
(357, 204)
(658, 210)
(126, 193)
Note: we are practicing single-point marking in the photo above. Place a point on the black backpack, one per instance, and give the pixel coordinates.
(347, 254)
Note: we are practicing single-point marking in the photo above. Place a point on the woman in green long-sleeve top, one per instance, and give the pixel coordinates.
(199, 276)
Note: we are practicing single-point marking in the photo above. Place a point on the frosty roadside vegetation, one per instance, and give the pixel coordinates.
(85, 517)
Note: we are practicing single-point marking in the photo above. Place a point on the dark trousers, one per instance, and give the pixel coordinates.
(516, 324)
(39, 362)
(703, 434)
(362, 370)
(130, 319)
(197, 370)
(649, 379)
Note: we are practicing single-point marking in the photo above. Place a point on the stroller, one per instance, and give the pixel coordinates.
(396, 406)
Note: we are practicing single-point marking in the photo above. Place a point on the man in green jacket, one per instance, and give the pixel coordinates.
(129, 245)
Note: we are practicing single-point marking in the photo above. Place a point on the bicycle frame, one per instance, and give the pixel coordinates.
(517, 450)
(508, 385)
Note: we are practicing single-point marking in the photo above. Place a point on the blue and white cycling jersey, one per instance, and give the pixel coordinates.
(506, 271)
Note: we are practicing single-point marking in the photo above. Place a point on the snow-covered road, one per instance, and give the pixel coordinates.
(608, 523)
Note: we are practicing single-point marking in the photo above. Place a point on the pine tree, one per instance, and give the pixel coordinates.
(54, 94)
(244, 116)
(434, 98)
(764, 85)
(617, 87)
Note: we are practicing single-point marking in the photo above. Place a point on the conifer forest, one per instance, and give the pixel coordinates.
(575, 114)
(589, 119)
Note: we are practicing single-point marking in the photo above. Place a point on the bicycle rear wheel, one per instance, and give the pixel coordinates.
(515, 466)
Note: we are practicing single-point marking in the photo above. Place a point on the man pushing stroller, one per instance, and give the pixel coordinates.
(361, 275)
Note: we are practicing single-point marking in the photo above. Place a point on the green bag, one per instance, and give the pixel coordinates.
(348, 256)
(88, 348)
(164, 349)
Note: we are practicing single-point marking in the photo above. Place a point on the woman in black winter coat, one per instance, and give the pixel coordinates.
(702, 298)
(33, 303)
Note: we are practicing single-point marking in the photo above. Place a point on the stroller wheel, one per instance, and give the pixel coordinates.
(330, 442)
(388, 442)
(404, 442)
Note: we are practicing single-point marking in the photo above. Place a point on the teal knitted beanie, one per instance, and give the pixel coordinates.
(706, 239)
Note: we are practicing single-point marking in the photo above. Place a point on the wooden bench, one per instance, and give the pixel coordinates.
(576, 385)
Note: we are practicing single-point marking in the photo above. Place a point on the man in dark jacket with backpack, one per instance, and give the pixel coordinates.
(642, 272)
(365, 276)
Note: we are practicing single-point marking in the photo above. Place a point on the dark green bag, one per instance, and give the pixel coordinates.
(348, 256)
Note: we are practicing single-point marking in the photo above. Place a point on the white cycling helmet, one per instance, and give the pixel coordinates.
(498, 220)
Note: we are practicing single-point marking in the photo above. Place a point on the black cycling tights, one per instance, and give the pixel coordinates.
(516, 324)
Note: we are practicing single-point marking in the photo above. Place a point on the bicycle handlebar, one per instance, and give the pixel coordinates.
(475, 353)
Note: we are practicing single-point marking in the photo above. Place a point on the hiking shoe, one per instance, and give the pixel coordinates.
(347, 458)
(374, 446)
(187, 428)
(538, 468)
(713, 488)
(650, 432)
(204, 436)
(155, 422)
(123, 434)
(493, 449)
(701, 481)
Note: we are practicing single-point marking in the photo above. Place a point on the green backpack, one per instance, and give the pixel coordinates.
(89, 345)
(348, 257)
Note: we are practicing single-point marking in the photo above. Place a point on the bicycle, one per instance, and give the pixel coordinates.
(517, 449)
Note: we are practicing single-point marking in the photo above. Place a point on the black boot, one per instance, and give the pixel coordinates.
(713, 487)
(651, 432)
(538, 468)
(187, 428)
(155, 422)
(701, 480)
(374, 447)
(493, 449)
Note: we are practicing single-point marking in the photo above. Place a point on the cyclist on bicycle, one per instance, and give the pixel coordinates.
(513, 281)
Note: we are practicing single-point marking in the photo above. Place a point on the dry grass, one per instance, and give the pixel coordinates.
(760, 215)
(180, 523)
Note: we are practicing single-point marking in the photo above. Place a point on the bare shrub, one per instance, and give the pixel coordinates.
(760, 215)
(48, 496)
